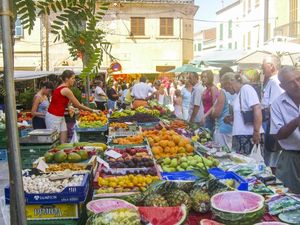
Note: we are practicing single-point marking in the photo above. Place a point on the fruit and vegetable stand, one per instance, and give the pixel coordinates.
(153, 169)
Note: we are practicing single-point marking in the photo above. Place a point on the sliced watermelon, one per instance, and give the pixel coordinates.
(271, 223)
(209, 222)
(107, 204)
(238, 207)
(164, 215)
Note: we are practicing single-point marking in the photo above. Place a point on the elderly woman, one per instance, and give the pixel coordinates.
(246, 132)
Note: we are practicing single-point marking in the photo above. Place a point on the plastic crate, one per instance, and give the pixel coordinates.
(74, 194)
(3, 139)
(92, 136)
(29, 153)
(25, 132)
(148, 124)
(104, 128)
(3, 154)
(220, 174)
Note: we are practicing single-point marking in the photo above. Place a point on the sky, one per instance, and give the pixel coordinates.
(207, 11)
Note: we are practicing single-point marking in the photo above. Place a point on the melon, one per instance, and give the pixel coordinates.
(238, 207)
(271, 223)
(164, 215)
(107, 204)
(209, 222)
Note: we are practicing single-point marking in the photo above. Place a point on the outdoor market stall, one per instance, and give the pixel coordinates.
(152, 168)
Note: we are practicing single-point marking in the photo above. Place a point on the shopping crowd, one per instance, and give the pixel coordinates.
(239, 116)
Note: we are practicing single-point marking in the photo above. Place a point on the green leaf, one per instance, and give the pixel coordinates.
(59, 22)
(62, 18)
(64, 3)
(104, 8)
(53, 7)
(47, 11)
(45, 4)
(22, 10)
(58, 5)
(55, 27)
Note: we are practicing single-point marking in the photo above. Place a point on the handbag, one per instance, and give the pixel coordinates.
(248, 116)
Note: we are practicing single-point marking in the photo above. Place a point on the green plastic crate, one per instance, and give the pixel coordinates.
(3, 139)
(56, 222)
(91, 136)
(29, 153)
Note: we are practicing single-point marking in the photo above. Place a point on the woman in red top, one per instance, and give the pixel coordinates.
(209, 97)
(61, 97)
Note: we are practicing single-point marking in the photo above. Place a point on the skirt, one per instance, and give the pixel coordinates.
(38, 123)
(242, 144)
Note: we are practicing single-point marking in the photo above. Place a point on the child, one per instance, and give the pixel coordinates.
(178, 104)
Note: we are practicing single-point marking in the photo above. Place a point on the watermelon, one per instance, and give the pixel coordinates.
(209, 222)
(107, 204)
(237, 207)
(271, 223)
(164, 215)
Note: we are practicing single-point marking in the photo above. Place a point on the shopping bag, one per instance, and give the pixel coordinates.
(256, 154)
(75, 138)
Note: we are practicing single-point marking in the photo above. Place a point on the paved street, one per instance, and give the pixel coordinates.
(3, 183)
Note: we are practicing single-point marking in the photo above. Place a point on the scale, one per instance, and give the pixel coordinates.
(40, 136)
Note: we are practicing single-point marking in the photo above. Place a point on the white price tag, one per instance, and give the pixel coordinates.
(102, 162)
(42, 166)
(113, 154)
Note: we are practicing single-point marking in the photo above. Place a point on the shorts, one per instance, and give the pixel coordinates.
(55, 122)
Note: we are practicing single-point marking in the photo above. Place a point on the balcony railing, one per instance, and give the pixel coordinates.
(290, 30)
(155, 1)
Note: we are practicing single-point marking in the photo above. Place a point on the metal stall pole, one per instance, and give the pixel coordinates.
(17, 200)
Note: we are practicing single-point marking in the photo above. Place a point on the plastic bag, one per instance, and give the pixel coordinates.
(256, 154)
(75, 138)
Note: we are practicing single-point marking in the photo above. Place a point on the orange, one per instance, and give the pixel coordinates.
(167, 149)
(171, 144)
(189, 148)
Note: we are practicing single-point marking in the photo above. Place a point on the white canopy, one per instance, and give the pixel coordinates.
(288, 52)
(29, 75)
(219, 58)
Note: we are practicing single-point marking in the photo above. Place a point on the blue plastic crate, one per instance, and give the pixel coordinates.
(74, 194)
(3, 154)
(25, 132)
(220, 174)
(179, 176)
(104, 128)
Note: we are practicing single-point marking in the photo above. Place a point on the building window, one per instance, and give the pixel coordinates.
(230, 46)
(249, 40)
(257, 3)
(221, 46)
(244, 41)
(235, 45)
(195, 47)
(230, 29)
(199, 47)
(137, 26)
(166, 26)
(221, 31)
(19, 32)
(249, 6)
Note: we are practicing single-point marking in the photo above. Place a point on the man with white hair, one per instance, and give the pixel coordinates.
(272, 89)
(285, 125)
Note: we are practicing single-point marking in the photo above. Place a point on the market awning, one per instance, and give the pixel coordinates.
(29, 75)
(289, 54)
(219, 58)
